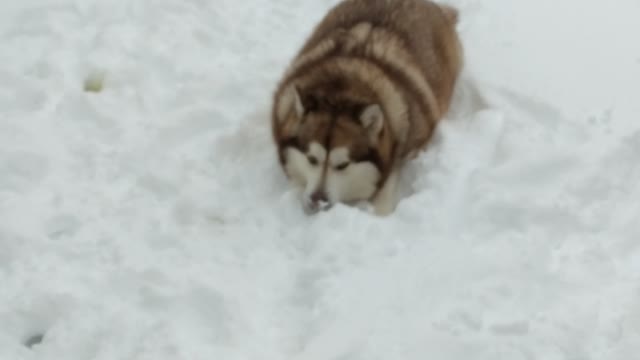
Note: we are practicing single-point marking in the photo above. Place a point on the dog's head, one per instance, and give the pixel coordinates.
(338, 151)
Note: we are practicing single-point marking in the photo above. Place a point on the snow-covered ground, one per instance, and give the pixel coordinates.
(151, 221)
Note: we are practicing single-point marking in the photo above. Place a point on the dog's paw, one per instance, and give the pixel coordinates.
(383, 208)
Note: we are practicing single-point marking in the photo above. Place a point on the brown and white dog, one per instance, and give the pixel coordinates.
(363, 96)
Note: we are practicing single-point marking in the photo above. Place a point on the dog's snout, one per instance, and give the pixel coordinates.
(317, 201)
(319, 197)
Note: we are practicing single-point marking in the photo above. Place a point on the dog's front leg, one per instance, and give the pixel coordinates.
(384, 202)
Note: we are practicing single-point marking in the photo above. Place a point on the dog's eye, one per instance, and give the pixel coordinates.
(342, 166)
(312, 160)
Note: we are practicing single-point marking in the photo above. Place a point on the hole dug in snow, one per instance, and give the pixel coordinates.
(34, 340)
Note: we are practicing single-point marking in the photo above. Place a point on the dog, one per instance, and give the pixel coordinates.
(362, 97)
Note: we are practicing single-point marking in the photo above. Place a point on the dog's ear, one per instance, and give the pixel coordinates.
(303, 102)
(299, 106)
(372, 119)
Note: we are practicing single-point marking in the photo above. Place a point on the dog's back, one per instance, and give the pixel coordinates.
(424, 27)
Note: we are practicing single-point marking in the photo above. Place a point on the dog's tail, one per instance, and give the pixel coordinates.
(452, 13)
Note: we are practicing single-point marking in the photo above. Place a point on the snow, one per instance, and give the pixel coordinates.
(151, 221)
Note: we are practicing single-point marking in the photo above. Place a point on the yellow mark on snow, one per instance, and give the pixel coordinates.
(94, 82)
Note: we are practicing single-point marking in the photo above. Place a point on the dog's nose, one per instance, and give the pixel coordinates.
(317, 201)
(319, 197)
